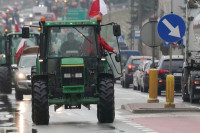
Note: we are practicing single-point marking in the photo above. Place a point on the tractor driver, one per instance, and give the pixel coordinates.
(88, 47)
(71, 45)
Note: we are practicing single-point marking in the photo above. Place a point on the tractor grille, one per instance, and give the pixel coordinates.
(72, 75)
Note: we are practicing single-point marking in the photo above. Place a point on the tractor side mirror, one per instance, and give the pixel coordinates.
(25, 32)
(117, 57)
(116, 30)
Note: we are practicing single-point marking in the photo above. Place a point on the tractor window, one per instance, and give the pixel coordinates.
(17, 42)
(107, 34)
(71, 42)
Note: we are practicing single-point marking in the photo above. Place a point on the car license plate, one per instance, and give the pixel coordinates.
(177, 74)
(197, 87)
(197, 61)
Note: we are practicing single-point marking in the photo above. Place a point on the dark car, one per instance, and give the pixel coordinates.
(129, 69)
(144, 78)
(125, 54)
(163, 71)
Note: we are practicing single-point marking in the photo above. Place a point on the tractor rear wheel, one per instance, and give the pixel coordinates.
(33, 73)
(106, 106)
(5, 80)
(40, 107)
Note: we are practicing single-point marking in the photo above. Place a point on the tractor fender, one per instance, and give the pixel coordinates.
(106, 75)
(39, 77)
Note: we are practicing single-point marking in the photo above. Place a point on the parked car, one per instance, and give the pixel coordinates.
(23, 75)
(144, 78)
(129, 69)
(163, 71)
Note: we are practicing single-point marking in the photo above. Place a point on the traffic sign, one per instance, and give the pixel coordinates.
(74, 14)
(121, 38)
(149, 34)
(171, 28)
(137, 34)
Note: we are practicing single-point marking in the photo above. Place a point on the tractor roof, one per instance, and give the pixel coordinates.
(71, 23)
(20, 33)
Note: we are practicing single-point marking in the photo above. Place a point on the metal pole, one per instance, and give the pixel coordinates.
(132, 24)
(170, 64)
(153, 43)
(140, 23)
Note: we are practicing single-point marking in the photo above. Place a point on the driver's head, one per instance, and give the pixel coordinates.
(70, 36)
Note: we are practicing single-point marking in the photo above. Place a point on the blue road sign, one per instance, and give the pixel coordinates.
(171, 28)
(121, 38)
(137, 34)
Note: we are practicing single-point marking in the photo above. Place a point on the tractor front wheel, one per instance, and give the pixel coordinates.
(106, 106)
(40, 107)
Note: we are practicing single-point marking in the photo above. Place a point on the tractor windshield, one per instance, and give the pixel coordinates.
(71, 42)
(17, 41)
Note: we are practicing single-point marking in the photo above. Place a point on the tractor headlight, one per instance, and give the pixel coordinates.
(21, 75)
(67, 75)
(3, 55)
(78, 75)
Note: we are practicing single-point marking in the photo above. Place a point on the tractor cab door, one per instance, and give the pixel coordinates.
(115, 65)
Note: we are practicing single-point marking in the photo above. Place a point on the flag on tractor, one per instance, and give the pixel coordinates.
(98, 7)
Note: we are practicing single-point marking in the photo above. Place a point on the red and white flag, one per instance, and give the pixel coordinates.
(17, 26)
(20, 49)
(3, 22)
(10, 9)
(3, 14)
(98, 7)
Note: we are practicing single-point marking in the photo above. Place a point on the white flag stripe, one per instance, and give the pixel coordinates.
(103, 8)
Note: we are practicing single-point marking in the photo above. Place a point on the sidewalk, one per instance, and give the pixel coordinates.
(158, 108)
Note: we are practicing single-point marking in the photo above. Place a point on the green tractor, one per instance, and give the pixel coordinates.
(72, 74)
(10, 45)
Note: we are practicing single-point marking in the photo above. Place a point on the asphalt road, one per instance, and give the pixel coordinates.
(15, 117)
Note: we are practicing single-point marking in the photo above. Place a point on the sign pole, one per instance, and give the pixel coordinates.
(153, 20)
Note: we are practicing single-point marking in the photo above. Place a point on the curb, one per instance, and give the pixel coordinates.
(157, 108)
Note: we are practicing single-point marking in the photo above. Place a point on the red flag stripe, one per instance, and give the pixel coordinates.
(20, 50)
(95, 9)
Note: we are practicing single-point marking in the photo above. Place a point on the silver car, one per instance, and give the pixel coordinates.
(23, 75)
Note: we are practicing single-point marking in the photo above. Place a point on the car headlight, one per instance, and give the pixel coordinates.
(21, 20)
(21, 75)
(31, 15)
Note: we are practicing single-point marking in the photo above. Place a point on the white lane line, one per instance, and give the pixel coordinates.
(147, 130)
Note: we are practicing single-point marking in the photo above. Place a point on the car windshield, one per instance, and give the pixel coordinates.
(176, 64)
(124, 58)
(138, 61)
(71, 42)
(17, 41)
(27, 61)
